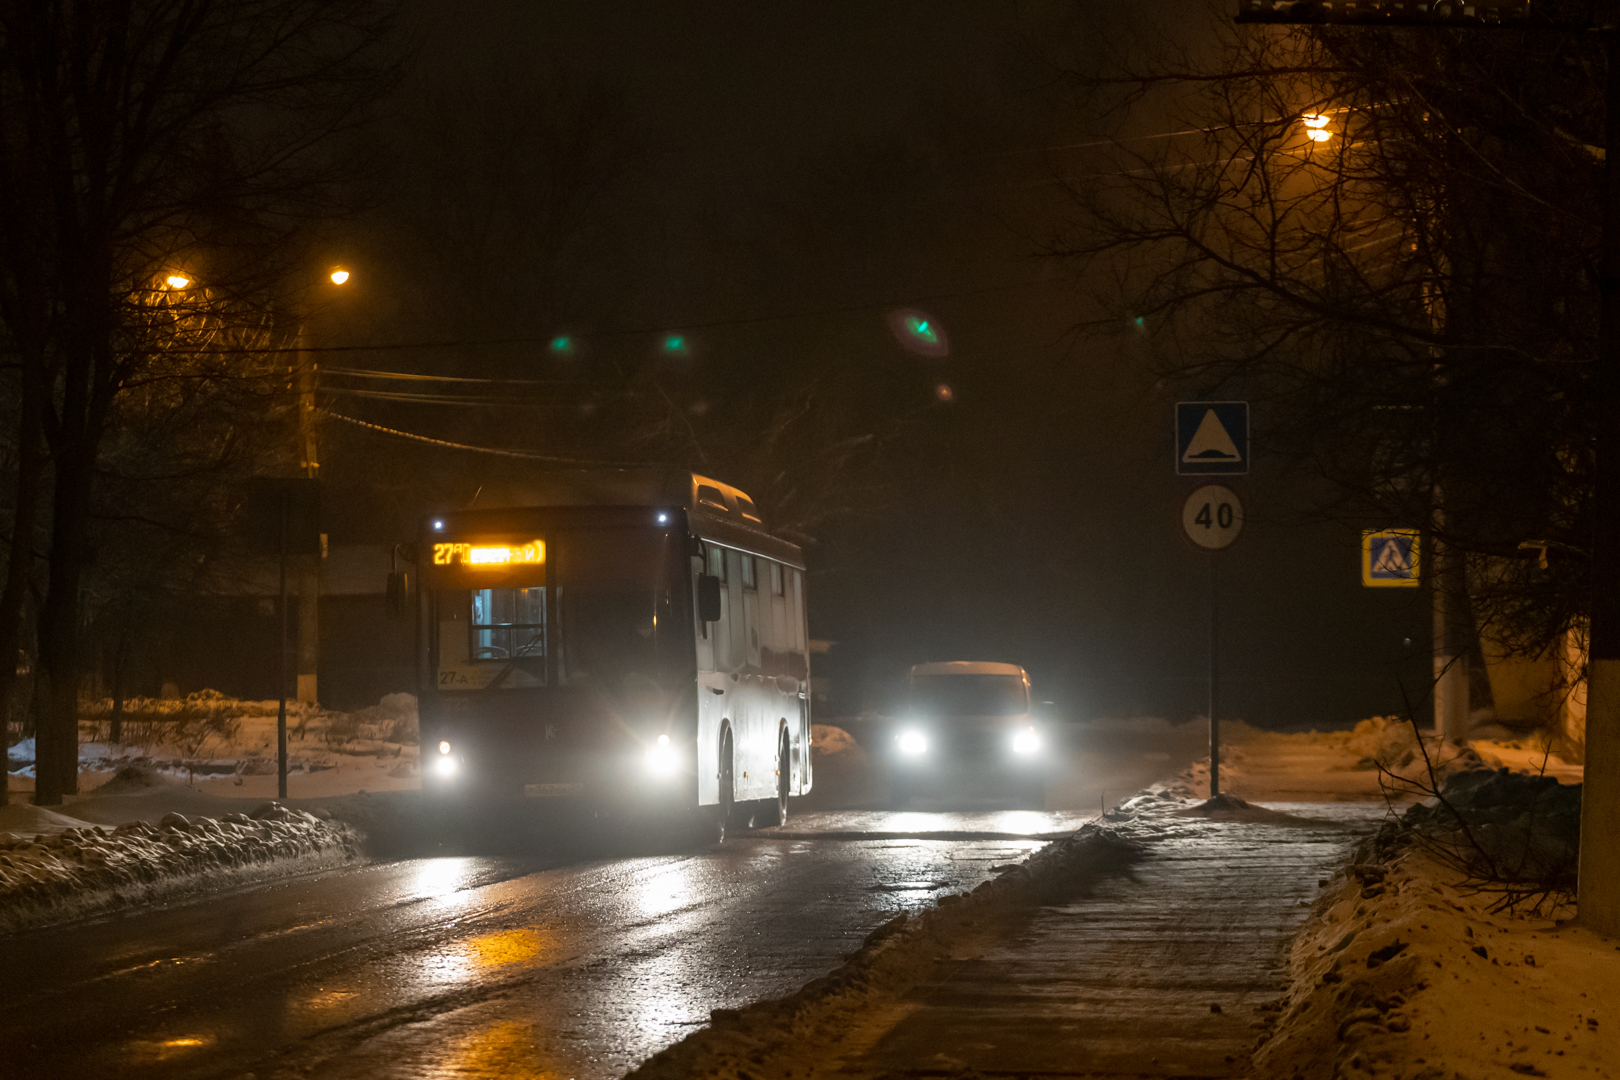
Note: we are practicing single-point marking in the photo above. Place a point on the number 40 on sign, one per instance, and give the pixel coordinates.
(1212, 517)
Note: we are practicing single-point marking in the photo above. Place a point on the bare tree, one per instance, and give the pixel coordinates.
(183, 139)
(1387, 236)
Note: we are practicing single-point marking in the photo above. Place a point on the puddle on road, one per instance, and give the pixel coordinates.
(509, 1049)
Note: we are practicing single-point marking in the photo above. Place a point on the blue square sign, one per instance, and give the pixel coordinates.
(1212, 438)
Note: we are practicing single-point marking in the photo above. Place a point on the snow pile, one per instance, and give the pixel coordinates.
(71, 868)
(1409, 966)
(772, 1039)
(1380, 754)
(827, 740)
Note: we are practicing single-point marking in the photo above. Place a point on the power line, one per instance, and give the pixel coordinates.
(364, 373)
(465, 446)
(445, 399)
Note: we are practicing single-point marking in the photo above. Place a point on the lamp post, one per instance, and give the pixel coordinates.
(307, 374)
(1598, 894)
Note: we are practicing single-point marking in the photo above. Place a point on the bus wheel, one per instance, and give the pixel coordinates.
(727, 810)
(775, 812)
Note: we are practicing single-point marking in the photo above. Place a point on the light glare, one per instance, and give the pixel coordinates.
(445, 766)
(1026, 742)
(444, 748)
(913, 742)
(661, 757)
(177, 281)
(339, 276)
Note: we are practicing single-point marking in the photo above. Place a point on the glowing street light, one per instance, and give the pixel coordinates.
(339, 275)
(177, 281)
(1316, 127)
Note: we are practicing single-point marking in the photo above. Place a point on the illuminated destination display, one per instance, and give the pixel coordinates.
(490, 555)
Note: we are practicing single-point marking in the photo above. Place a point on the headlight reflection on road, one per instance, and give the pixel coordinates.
(438, 878)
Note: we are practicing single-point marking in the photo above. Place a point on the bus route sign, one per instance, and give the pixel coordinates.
(1389, 559)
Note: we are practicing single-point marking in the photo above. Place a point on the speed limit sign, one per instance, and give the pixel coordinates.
(1213, 517)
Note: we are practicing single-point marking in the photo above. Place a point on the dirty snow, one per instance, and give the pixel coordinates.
(54, 866)
(1401, 971)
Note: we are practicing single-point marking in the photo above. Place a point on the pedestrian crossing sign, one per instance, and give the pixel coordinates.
(1389, 558)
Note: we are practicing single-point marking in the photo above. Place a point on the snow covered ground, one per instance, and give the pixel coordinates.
(227, 747)
(56, 866)
(1405, 970)
(181, 804)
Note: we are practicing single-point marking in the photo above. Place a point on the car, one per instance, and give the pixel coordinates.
(969, 730)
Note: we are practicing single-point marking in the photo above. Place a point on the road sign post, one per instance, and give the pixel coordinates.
(1212, 518)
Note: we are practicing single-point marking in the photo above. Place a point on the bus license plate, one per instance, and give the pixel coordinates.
(552, 791)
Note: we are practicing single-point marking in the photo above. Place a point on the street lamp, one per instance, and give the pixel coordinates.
(177, 280)
(338, 275)
(1316, 127)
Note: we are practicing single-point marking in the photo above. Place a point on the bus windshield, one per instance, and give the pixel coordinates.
(968, 695)
(599, 625)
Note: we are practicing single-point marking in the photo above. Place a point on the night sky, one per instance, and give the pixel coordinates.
(770, 183)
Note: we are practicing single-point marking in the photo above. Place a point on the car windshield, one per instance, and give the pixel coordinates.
(968, 695)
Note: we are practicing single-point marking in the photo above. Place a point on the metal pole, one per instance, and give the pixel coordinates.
(281, 715)
(1214, 724)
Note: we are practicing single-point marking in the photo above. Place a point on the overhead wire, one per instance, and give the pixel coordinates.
(413, 437)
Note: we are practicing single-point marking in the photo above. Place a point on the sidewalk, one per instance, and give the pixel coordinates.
(1172, 940)
(1164, 969)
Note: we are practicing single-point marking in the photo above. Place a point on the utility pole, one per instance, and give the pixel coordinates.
(1598, 896)
(309, 566)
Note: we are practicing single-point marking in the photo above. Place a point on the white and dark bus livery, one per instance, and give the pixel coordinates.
(635, 639)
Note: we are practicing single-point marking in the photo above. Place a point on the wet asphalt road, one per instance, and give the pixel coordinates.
(562, 967)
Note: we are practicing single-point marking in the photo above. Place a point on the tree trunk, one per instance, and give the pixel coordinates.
(20, 556)
(57, 738)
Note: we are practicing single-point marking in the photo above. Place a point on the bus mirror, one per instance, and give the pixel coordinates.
(398, 595)
(708, 596)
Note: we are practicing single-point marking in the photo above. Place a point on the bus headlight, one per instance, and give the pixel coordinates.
(1026, 742)
(912, 742)
(661, 757)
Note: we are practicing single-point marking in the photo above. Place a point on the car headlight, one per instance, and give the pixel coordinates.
(912, 742)
(1026, 742)
(661, 756)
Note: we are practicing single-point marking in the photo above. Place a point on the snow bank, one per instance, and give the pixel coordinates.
(1405, 969)
(775, 1039)
(69, 868)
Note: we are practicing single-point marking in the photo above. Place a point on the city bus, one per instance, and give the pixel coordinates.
(635, 640)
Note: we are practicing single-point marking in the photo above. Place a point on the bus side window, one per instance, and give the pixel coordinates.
(777, 634)
(720, 632)
(796, 612)
(705, 631)
(737, 640)
(754, 622)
